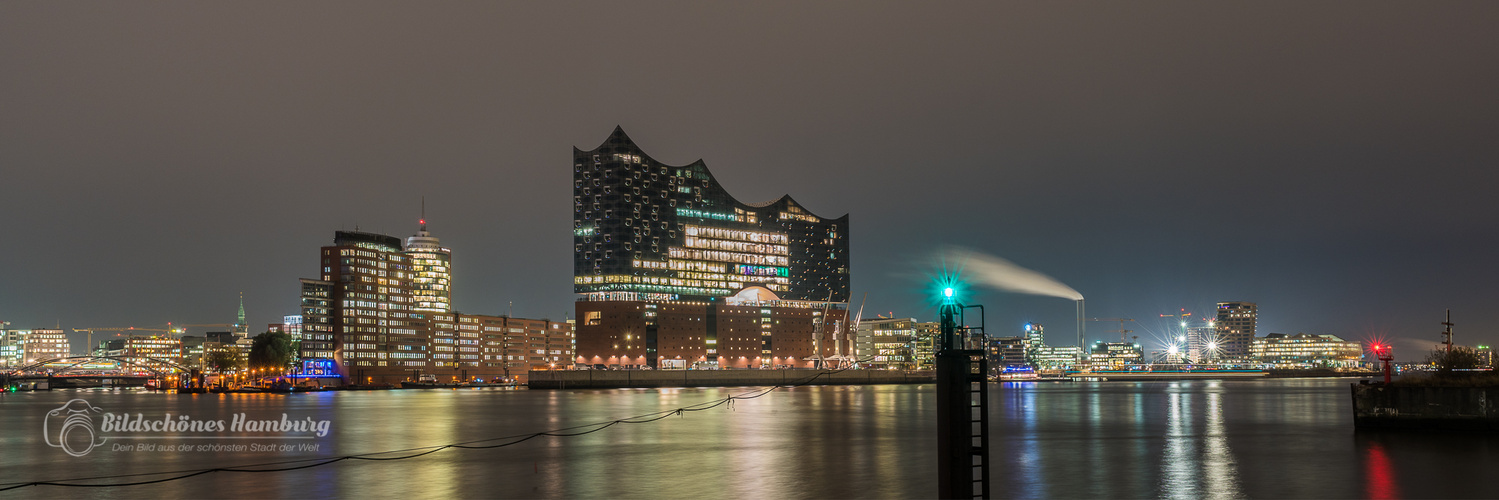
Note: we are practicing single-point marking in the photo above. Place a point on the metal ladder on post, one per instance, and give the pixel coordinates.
(978, 411)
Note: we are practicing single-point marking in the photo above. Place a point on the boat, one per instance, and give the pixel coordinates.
(426, 381)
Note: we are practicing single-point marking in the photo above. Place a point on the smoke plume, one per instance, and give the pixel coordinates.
(983, 269)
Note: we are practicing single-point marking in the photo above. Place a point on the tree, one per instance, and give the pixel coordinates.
(272, 350)
(221, 361)
(1459, 358)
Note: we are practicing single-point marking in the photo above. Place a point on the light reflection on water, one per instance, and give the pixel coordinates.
(1191, 439)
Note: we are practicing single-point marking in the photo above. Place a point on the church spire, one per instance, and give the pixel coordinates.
(239, 325)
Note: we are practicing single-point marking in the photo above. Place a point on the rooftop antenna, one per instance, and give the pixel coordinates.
(424, 214)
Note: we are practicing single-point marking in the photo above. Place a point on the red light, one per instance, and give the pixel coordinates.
(423, 221)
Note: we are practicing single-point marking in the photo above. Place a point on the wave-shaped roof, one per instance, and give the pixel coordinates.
(619, 138)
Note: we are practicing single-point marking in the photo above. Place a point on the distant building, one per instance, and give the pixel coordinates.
(192, 349)
(1006, 352)
(372, 320)
(223, 337)
(1235, 328)
(1306, 351)
(317, 319)
(1199, 338)
(1485, 356)
(12, 348)
(41, 344)
(291, 325)
(1044, 357)
(1035, 339)
(925, 352)
(887, 343)
(1057, 358)
(499, 344)
(1115, 355)
(159, 352)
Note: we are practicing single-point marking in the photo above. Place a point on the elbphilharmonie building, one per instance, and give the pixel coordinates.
(673, 272)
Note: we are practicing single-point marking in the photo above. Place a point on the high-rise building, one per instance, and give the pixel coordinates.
(317, 317)
(368, 292)
(1035, 338)
(431, 274)
(674, 272)
(1202, 341)
(372, 320)
(1235, 328)
(927, 334)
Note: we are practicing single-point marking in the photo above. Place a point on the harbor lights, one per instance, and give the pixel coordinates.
(1385, 353)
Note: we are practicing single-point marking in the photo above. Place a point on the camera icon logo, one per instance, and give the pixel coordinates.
(73, 425)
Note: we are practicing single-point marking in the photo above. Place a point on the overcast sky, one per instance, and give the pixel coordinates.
(1332, 161)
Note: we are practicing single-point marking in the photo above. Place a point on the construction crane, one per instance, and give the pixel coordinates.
(90, 344)
(1122, 332)
(183, 328)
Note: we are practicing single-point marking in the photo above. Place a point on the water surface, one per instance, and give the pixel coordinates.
(1285, 438)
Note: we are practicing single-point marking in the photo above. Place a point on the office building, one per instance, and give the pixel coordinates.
(887, 343)
(431, 273)
(1306, 351)
(1115, 355)
(1202, 342)
(1057, 358)
(290, 324)
(12, 348)
(1007, 354)
(1235, 329)
(366, 288)
(158, 352)
(377, 316)
(927, 334)
(673, 272)
(1043, 357)
(41, 344)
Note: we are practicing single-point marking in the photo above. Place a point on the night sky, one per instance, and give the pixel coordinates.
(1332, 161)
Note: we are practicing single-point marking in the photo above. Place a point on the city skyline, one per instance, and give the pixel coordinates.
(1335, 172)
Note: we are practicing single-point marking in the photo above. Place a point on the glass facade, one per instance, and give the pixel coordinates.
(644, 230)
(1304, 350)
(431, 273)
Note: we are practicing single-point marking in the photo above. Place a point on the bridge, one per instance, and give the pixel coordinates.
(97, 371)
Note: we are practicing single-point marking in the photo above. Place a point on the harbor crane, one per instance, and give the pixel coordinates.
(183, 328)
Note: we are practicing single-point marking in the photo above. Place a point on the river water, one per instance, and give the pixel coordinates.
(1282, 438)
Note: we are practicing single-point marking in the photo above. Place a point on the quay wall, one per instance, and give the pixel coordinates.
(1377, 406)
(618, 379)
